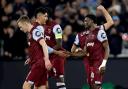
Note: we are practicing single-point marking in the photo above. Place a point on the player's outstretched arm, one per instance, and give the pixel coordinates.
(78, 54)
(73, 49)
(75, 45)
(107, 16)
(58, 52)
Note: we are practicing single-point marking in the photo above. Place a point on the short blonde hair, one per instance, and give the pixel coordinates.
(23, 18)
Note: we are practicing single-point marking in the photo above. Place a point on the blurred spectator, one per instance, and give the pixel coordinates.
(14, 43)
(83, 11)
(115, 37)
(68, 37)
(58, 11)
(8, 42)
(124, 6)
(115, 6)
(68, 13)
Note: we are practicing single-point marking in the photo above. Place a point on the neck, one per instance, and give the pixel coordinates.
(92, 27)
(30, 27)
(39, 22)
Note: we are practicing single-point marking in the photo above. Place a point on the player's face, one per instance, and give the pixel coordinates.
(87, 22)
(23, 26)
(42, 17)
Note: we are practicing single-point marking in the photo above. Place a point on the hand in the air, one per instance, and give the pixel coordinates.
(100, 7)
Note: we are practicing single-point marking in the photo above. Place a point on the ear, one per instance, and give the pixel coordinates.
(25, 23)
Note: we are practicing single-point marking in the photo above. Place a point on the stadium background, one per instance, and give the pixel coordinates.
(69, 14)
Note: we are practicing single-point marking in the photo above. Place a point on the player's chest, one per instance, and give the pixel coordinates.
(91, 40)
(48, 33)
(91, 37)
(88, 36)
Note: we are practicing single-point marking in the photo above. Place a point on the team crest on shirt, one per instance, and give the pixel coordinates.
(38, 34)
(49, 30)
(58, 30)
(103, 35)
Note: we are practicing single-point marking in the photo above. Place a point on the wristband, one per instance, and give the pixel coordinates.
(104, 62)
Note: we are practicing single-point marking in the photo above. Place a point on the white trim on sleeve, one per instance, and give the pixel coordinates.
(102, 35)
(38, 33)
(76, 42)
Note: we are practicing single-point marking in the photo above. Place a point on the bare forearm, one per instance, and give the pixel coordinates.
(107, 16)
(45, 50)
(78, 54)
(73, 49)
(58, 44)
(57, 47)
(106, 52)
(52, 50)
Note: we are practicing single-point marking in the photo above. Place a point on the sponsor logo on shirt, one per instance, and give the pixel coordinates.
(90, 44)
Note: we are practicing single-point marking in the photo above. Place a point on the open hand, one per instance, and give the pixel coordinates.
(102, 70)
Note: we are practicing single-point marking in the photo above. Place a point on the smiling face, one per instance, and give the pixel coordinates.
(88, 22)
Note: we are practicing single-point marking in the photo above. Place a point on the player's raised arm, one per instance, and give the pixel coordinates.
(107, 16)
(57, 30)
(38, 35)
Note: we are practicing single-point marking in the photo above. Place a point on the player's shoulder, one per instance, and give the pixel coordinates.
(51, 23)
(35, 24)
(38, 28)
(101, 27)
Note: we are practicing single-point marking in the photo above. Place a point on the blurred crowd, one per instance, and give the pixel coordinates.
(68, 13)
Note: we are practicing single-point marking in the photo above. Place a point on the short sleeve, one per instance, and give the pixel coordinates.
(50, 50)
(102, 35)
(76, 42)
(38, 33)
(57, 30)
(102, 27)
